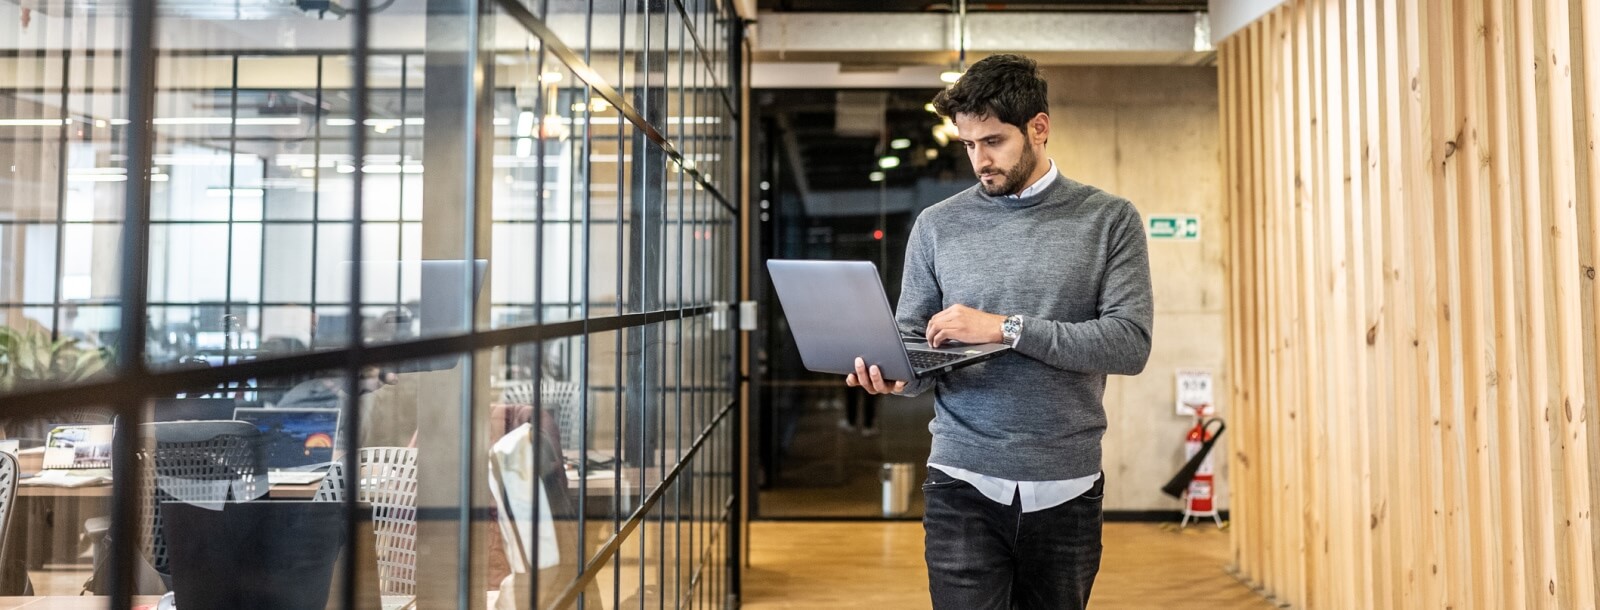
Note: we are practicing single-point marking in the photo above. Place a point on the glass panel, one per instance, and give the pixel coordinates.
(64, 459)
(30, 258)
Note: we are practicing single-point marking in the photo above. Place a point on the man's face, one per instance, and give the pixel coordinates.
(1002, 156)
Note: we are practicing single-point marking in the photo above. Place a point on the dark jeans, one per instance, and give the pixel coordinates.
(984, 555)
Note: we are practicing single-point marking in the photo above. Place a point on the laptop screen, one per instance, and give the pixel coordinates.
(78, 446)
(294, 438)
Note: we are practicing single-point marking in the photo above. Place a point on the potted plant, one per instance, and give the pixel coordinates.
(29, 358)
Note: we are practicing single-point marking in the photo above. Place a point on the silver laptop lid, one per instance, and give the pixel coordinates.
(837, 311)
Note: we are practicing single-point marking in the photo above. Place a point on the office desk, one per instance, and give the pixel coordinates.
(279, 491)
(90, 602)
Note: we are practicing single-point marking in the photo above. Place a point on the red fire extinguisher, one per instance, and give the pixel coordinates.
(1198, 496)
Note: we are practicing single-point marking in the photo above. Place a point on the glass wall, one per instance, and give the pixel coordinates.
(438, 289)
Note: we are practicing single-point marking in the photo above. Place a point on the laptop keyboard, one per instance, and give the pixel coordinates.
(921, 360)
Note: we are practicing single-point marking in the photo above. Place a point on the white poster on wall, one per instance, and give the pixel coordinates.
(1194, 390)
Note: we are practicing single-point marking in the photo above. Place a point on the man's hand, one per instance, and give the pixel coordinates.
(871, 380)
(964, 324)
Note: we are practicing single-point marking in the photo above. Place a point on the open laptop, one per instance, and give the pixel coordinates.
(297, 444)
(838, 312)
(78, 447)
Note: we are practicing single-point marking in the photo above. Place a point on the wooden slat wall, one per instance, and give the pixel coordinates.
(1413, 190)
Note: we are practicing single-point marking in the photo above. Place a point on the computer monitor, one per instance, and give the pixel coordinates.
(294, 439)
(192, 409)
(437, 286)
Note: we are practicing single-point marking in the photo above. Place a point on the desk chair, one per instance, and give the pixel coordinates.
(194, 462)
(9, 471)
(389, 483)
(535, 520)
(561, 397)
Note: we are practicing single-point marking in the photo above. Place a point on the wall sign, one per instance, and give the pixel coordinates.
(1173, 227)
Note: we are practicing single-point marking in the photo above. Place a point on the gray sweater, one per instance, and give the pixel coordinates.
(1071, 260)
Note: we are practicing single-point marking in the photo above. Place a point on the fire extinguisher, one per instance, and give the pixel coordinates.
(1198, 496)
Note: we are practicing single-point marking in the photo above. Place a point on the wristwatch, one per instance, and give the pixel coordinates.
(1010, 329)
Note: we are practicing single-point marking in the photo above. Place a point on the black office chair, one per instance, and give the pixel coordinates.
(195, 462)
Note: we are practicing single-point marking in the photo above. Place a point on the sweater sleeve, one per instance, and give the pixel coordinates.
(920, 296)
(1118, 341)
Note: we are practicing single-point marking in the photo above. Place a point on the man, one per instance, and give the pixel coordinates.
(1059, 271)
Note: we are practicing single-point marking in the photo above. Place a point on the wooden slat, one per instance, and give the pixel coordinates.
(1574, 514)
(1333, 286)
(1482, 518)
(1433, 567)
(1312, 585)
(1227, 108)
(1591, 79)
(1541, 492)
(1379, 319)
(1251, 305)
(1277, 505)
(1510, 397)
(1363, 305)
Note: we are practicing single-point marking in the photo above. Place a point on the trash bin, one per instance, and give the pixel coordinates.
(897, 482)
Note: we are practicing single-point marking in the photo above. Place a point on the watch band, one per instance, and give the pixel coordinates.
(1011, 330)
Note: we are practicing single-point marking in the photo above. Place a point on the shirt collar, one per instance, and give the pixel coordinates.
(1039, 186)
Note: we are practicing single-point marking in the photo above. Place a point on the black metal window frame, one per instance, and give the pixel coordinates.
(712, 29)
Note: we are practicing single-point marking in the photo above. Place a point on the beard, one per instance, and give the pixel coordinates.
(1012, 180)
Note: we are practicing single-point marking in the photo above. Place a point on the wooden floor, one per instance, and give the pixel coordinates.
(879, 566)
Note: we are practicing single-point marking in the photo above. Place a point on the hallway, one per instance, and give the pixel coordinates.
(878, 566)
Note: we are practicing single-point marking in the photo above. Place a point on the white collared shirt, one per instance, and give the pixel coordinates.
(1035, 495)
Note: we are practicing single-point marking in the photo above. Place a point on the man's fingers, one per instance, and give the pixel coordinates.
(850, 380)
(877, 381)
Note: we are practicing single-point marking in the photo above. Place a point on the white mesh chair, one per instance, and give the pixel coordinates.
(561, 397)
(8, 497)
(389, 484)
(517, 393)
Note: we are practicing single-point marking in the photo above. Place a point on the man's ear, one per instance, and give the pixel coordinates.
(1039, 128)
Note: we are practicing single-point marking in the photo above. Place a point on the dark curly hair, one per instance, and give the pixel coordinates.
(1006, 87)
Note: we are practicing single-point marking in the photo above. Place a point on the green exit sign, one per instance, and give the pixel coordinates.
(1176, 227)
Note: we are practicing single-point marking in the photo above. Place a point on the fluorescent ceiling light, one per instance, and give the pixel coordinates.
(222, 120)
(889, 162)
(950, 76)
(524, 146)
(236, 193)
(900, 143)
(552, 77)
(384, 123)
(524, 125)
(875, 176)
